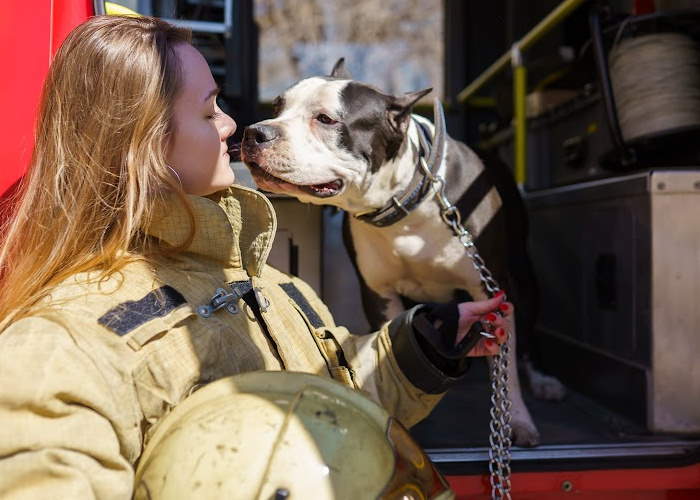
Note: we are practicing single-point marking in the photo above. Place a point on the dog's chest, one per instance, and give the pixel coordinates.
(430, 275)
(420, 259)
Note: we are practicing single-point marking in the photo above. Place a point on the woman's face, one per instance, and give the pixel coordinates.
(197, 150)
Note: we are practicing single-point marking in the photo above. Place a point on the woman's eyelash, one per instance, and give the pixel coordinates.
(217, 109)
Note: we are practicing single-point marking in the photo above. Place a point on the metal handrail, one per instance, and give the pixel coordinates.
(514, 57)
(209, 26)
(561, 12)
(196, 26)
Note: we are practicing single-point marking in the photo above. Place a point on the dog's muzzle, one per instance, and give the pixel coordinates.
(255, 139)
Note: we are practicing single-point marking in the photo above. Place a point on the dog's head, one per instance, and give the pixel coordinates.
(332, 139)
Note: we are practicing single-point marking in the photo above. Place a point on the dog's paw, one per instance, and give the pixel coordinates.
(524, 432)
(544, 386)
(547, 387)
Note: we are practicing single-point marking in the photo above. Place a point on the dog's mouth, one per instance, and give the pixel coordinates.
(265, 180)
(234, 151)
(325, 190)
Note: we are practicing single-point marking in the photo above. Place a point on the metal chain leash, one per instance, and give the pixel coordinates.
(499, 426)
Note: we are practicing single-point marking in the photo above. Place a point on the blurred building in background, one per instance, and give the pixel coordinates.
(396, 45)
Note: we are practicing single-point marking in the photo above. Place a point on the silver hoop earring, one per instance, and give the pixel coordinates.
(176, 174)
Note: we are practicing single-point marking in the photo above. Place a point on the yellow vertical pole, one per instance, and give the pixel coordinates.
(519, 113)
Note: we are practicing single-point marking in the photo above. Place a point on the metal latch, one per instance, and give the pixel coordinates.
(263, 302)
(221, 299)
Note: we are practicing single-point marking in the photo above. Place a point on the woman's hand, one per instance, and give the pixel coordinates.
(494, 315)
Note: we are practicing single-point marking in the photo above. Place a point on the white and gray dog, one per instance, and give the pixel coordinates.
(336, 141)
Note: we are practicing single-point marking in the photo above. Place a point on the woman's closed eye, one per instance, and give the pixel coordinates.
(216, 112)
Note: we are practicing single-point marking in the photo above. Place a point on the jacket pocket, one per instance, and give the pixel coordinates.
(330, 350)
(168, 365)
(335, 357)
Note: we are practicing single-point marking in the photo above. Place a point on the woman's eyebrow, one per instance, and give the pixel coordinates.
(212, 92)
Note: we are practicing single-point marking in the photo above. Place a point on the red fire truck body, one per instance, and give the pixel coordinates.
(31, 32)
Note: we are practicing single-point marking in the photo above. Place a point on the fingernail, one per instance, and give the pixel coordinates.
(500, 293)
(500, 332)
(490, 317)
(504, 307)
(490, 343)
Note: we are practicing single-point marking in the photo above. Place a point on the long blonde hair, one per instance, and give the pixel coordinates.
(98, 165)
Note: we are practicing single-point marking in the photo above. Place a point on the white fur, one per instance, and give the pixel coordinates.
(418, 257)
(307, 155)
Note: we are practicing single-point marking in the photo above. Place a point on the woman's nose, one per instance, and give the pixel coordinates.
(228, 128)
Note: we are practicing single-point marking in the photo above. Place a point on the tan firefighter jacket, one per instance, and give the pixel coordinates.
(83, 383)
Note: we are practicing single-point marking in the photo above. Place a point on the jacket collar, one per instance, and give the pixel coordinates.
(234, 228)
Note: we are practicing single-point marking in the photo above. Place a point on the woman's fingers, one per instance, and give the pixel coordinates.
(494, 316)
(505, 309)
(485, 347)
(493, 320)
(500, 334)
(470, 312)
(490, 347)
(482, 307)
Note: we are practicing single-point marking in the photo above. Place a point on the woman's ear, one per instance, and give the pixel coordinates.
(400, 108)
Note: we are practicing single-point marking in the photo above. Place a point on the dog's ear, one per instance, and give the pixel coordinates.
(401, 106)
(340, 71)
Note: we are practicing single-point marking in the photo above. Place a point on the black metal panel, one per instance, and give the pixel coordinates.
(642, 454)
(591, 248)
(620, 385)
(574, 139)
(455, 65)
(241, 87)
(564, 145)
(475, 36)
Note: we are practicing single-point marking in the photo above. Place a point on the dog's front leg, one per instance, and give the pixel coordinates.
(380, 305)
(525, 432)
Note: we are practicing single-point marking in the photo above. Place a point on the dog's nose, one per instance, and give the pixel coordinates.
(260, 133)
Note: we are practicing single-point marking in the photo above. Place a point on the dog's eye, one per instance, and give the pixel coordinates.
(325, 119)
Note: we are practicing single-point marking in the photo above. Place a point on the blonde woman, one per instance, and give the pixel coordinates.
(132, 272)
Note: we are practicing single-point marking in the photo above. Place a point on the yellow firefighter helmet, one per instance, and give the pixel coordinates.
(283, 435)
